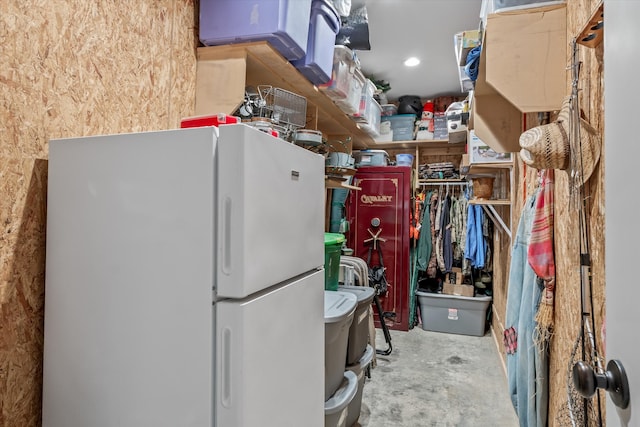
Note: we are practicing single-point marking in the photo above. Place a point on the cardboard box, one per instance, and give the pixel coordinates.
(522, 69)
(525, 62)
(458, 290)
(455, 276)
(480, 152)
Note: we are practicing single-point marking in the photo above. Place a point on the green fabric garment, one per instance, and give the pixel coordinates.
(424, 240)
(419, 257)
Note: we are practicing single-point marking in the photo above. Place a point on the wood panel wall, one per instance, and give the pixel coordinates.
(71, 68)
(567, 245)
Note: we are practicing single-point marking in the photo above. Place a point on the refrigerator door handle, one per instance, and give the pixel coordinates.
(225, 354)
(226, 240)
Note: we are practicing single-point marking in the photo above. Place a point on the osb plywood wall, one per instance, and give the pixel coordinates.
(71, 68)
(567, 245)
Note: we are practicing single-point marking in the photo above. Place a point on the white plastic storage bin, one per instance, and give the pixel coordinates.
(372, 125)
(359, 330)
(366, 97)
(359, 368)
(317, 63)
(336, 409)
(339, 308)
(341, 86)
(453, 314)
(282, 23)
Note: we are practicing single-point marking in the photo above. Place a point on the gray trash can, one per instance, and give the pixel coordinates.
(359, 330)
(336, 409)
(339, 308)
(360, 368)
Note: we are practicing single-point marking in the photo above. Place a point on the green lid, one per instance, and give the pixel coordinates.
(331, 239)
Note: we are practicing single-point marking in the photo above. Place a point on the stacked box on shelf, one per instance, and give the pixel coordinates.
(402, 126)
(346, 82)
(372, 125)
(366, 98)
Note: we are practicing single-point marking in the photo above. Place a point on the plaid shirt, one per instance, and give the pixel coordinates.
(510, 340)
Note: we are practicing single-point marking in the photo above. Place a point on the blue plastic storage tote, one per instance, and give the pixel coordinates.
(282, 23)
(317, 64)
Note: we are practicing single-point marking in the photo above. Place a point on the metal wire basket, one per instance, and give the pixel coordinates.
(283, 107)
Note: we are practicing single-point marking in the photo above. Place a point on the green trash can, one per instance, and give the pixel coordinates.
(332, 248)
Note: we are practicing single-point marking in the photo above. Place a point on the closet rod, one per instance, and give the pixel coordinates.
(440, 184)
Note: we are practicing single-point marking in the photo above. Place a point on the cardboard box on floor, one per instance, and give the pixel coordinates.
(453, 284)
(458, 290)
(522, 69)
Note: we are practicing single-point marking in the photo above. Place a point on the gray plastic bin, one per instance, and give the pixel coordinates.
(453, 314)
(360, 368)
(336, 409)
(359, 330)
(339, 308)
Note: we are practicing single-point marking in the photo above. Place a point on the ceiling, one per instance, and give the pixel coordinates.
(399, 29)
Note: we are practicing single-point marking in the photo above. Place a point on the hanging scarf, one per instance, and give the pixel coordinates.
(540, 252)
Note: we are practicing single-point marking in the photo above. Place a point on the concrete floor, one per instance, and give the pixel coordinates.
(434, 379)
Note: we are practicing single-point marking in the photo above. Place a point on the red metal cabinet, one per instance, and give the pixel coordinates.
(385, 194)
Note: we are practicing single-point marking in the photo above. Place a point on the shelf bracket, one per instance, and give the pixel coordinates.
(496, 218)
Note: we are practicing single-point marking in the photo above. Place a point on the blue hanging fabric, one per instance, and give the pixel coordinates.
(475, 248)
(473, 63)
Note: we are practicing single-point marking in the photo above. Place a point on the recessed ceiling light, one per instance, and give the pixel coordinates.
(412, 62)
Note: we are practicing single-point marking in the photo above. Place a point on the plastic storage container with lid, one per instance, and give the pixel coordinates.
(336, 409)
(339, 308)
(402, 126)
(359, 368)
(317, 63)
(368, 90)
(339, 88)
(374, 114)
(404, 159)
(332, 248)
(453, 314)
(282, 23)
(371, 158)
(359, 330)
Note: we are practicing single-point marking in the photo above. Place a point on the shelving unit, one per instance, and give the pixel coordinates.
(336, 177)
(439, 146)
(442, 182)
(505, 171)
(224, 71)
(435, 147)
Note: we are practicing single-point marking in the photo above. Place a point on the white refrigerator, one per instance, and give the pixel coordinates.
(184, 281)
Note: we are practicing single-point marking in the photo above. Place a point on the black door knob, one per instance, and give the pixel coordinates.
(614, 380)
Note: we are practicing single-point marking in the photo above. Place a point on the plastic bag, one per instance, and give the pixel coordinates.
(343, 7)
(378, 280)
(354, 32)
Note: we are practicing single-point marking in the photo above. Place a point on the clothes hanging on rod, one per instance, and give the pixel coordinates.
(527, 355)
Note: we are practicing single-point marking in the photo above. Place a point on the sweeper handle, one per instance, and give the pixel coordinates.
(385, 329)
